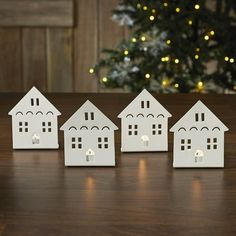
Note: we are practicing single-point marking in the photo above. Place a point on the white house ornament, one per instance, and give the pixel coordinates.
(144, 125)
(198, 139)
(89, 138)
(34, 122)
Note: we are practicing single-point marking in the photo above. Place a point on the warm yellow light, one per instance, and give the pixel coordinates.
(176, 85)
(168, 41)
(153, 10)
(177, 9)
(163, 59)
(145, 8)
(167, 58)
(104, 79)
(147, 76)
(134, 40)
(176, 61)
(138, 5)
(165, 82)
(200, 85)
(226, 58)
(190, 22)
(231, 60)
(91, 70)
(197, 49)
(206, 37)
(234, 87)
(143, 38)
(126, 52)
(212, 32)
(165, 4)
(197, 6)
(152, 18)
(196, 57)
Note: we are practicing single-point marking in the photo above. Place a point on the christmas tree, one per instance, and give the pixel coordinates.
(171, 46)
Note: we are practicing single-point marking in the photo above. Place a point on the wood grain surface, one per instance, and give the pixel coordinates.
(36, 13)
(142, 195)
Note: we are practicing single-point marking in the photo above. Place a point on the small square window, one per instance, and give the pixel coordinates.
(99, 140)
(153, 132)
(73, 139)
(215, 140)
(135, 132)
(189, 141)
(20, 124)
(159, 126)
(44, 123)
(20, 129)
(73, 146)
(208, 140)
(189, 147)
(79, 139)
(215, 146)
(26, 129)
(182, 148)
(49, 123)
(100, 146)
(182, 141)
(130, 126)
(79, 146)
(106, 146)
(130, 132)
(154, 126)
(159, 131)
(208, 147)
(105, 139)
(136, 126)
(44, 130)
(26, 123)
(49, 130)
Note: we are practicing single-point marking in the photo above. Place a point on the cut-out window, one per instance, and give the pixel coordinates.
(133, 129)
(212, 143)
(156, 129)
(34, 101)
(103, 143)
(148, 104)
(23, 127)
(186, 144)
(47, 127)
(143, 104)
(86, 115)
(92, 115)
(76, 142)
(199, 117)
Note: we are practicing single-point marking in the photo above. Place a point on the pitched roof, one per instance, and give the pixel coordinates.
(134, 107)
(188, 120)
(24, 105)
(78, 118)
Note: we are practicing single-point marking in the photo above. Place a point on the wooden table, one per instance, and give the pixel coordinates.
(142, 195)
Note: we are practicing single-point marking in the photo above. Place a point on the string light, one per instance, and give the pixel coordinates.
(200, 85)
(226, 58)
(147, 76)
(91, 70)
(167, 58)
(104, 79)
(138, 5)
(176, 61)
(165, 82)
(196, 56)
(190, 22)
(212, 32)
(177, 9)
(143, 38)
(163, 59)
(197, 49)
(231, 60)
(126, 52)
(152, 18)
(234, 87)
(197, 6)
(168, 42)
(154, 11)
(145, 8)
(134, 40)
(176, 85)
(165, 4)
(206, 37)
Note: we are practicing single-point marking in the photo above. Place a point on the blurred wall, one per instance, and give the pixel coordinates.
(53, 43)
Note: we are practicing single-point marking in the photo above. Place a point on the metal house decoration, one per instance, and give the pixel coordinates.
(34, 122)
(199, 139)
(89, 138)
(144, 125)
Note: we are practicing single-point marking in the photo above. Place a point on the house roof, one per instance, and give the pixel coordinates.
(77, 120)
(134, 107)
(24, 105)
(188, 120)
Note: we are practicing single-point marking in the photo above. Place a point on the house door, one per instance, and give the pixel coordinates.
(35, 139)
(199, 157)
(145, 140)
(90, 155)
